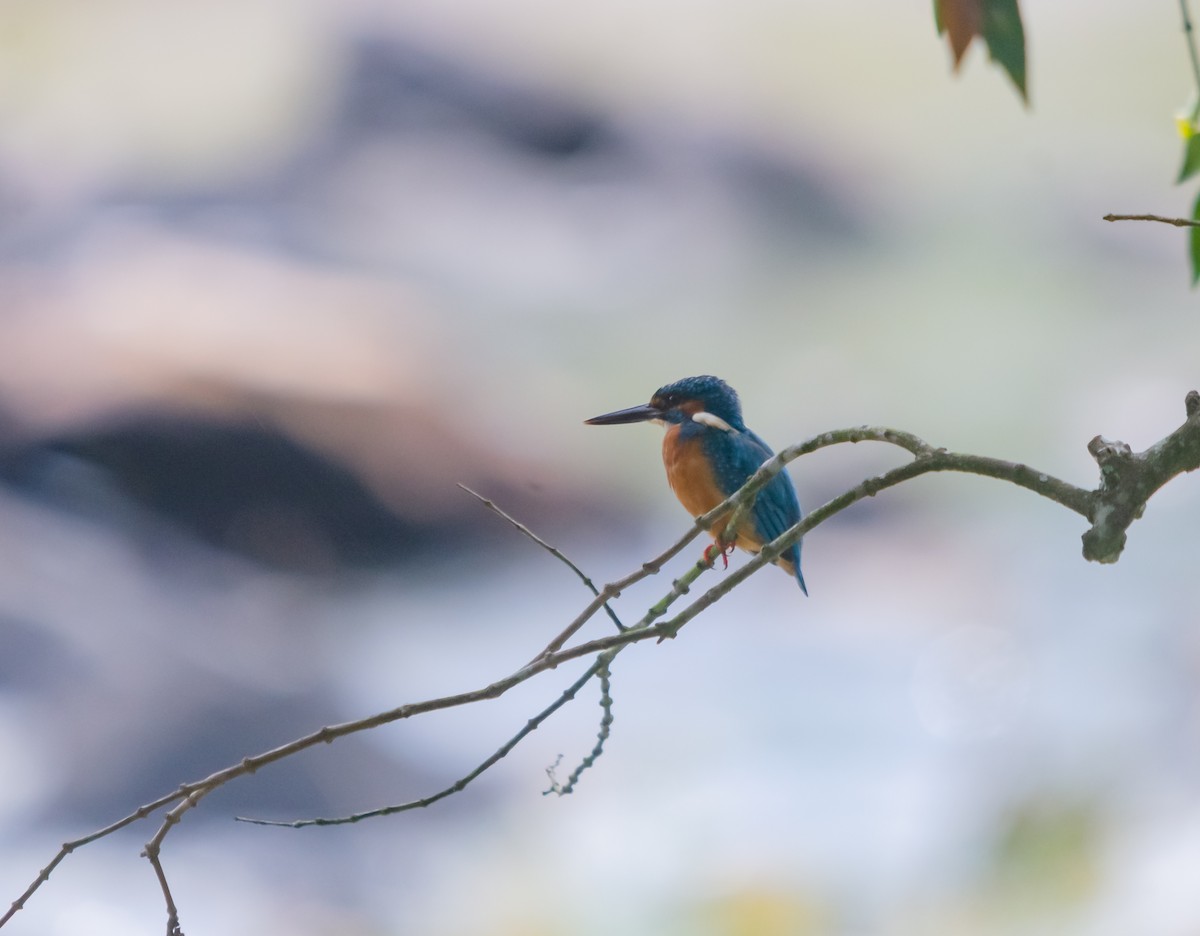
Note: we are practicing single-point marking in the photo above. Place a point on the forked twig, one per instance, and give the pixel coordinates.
(606, 720)
(530, 726)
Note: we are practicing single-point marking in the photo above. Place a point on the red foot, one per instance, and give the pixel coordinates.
(713, 550)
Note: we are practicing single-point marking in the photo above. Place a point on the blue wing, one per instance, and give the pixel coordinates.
(736, 456)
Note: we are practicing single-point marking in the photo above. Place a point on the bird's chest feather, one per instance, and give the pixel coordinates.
(690, 471)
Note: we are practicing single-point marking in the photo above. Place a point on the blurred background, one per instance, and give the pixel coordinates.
(276, 275)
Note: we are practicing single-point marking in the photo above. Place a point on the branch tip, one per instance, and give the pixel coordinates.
(1177, 222)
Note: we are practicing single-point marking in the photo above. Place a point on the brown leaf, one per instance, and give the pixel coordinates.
(962, 20)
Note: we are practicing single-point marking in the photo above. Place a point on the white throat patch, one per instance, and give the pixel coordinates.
(708, 419)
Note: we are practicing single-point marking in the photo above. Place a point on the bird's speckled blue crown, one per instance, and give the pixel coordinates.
(718, 397)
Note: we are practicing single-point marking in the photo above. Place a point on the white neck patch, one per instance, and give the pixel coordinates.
(708, 419)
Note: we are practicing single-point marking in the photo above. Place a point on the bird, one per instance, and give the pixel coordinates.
(709, 453)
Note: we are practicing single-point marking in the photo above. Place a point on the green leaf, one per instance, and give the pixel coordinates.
(1005, 38)
(1191, 159)
(1194, 242)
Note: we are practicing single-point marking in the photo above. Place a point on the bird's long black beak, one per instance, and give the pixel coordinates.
(634, 414)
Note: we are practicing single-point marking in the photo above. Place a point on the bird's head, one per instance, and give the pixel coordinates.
(706, 400)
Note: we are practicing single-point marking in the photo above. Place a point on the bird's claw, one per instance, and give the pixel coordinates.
(713, 550)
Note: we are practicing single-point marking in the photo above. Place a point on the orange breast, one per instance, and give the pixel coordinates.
(692, 480)
(689, 474)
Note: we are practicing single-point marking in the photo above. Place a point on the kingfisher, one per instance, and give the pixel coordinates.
(709, 453)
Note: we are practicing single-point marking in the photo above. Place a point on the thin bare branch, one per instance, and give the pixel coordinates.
(599, 666)
(141, 812)
(173, 927)
(1178, 222)
(606, 720)
(153, 851)
(553, 550)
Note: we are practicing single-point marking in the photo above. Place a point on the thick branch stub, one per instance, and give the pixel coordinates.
(1108, 454)
(1129, 479)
